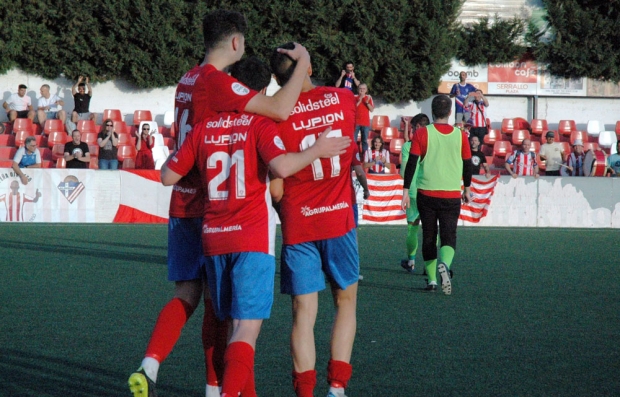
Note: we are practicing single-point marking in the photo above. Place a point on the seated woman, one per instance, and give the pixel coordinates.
(108, 146)
(376, 157)
(144, 144)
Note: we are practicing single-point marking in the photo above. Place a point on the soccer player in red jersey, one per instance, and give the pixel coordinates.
(202, 92)
(318, 229)
(234, 153)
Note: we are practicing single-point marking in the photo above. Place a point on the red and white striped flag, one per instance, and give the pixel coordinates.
(482, 191)
(386, 196)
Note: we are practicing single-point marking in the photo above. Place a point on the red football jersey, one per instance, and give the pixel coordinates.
(201, 93)
(317, 200)
(232, 152)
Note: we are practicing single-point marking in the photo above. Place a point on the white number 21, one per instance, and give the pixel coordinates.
(227, 162)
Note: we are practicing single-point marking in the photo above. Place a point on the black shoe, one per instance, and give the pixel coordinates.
(430, 287)
(408, 265)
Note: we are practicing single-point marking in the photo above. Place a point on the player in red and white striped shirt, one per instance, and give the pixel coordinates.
(476, 104)
(523, 162)
(15, 201)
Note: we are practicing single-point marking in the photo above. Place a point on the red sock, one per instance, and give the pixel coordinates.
(304, 383)
(238, 365)
(168, 328)
(250, 387)
(338, 373)
(214, 340)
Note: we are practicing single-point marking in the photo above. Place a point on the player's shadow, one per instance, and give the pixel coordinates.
(70, 250)
(24, 373)
(125, 245)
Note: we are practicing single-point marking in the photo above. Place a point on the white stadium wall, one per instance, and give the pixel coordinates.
(89, 196)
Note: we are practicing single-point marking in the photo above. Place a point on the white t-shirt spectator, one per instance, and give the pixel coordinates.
(19, 103)
(51, 102)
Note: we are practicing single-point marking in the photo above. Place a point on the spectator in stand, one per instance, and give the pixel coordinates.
(19, 105)
(364, 105)
(82, 102)
(376, 157)
(144, 144)
(460, 91)
(553, 153)
(523, 162)
(108, 146)
(478, 159)
(347, 78)
(613, 161)
(574, 162)
(48, 107)
(476, 104)
(413, 216)
(76, 152)
(27, 156)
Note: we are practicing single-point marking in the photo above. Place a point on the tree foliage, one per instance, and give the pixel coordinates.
(484, 42)
(583, 39)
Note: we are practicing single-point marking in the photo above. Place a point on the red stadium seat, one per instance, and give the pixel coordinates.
(617, 128)
(542, 164)
(508, 125)
(86, 126)
(94, 163)
(89, 138)
(46, 163)
(173, 131)
(519, 135)
(93, 150)
(502, 148)
(46, 154)
(396, 145)
(20, 137)
(389, 133)
(7, 140)
(141, 115)
(120, 127)
(61, 163)
(6, 163)
(378, 122)
(539, 127)
(58, 151)
(170, 142)
(124, 139)
(128, 164)
(41, 140)
(566, 147)
(535, 147)
(565, 127)
(492, 137)
(56, 137)
(590, 146)
(22, 125)
(7, 153)
(521, 124)
(164, 131)
(126, 152)
(583, 135)
(114, 114)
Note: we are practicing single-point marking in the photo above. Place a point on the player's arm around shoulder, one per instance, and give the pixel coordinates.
(179, 163)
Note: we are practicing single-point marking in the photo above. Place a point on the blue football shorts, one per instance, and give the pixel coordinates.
(185, 258)
(241, 284)
(305, 265)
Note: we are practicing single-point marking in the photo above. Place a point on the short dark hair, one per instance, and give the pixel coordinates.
(441, 106)
(347, 63)
(282, 66)
(220, 24)
(252, 72)
(22, 86)
(420, 118)
(82, 85)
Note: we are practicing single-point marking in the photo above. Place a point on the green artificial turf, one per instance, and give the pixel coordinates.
(534, 312)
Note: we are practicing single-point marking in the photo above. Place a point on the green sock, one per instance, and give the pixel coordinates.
(412, 240)
(446, 253)
(431, 270)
